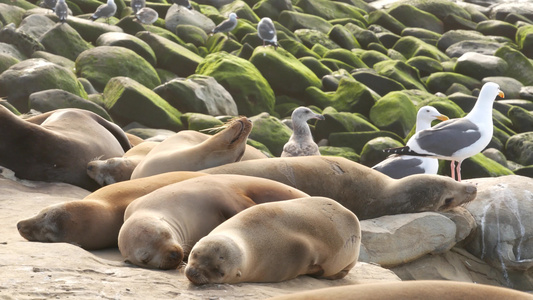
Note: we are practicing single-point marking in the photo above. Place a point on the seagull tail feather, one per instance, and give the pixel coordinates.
(403, 151)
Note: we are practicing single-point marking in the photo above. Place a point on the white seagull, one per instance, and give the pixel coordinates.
(137, 5)
(227, 25)
(105, 11)
(184, 3)
(457, 139)
(267, 32)
(301, 141)
(146, 15)
(399, 166)
(61, 10)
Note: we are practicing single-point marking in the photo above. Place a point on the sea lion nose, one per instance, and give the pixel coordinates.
(18, 226)
(471, 189)
(89, 167)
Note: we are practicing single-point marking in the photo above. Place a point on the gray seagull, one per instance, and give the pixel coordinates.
(267, 31)
(226, 25)
(105, 11)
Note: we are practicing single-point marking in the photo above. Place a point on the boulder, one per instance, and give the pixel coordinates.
(7, 61)
(53, 99)
(120, 39)
(199, 94)
(425, 65)
(372, 152)
(342, 37)
(521, 118)
(477, 46)
(394, 112)
(424, 35)
(179, 15)
(345, 152)
(330, 10)
(311, 38)
(271, 132)
(357, 140)
(401, 72)
(341, 122)
(128, 101)
(439, 8)
(380, 84)
(411, 16)
(11, 14)
(63, 40)
(520, 67)
(500, 11)
(89, 30)
(524, 40)
(316, 66)
(479, 166)
(191, 34)
(200, 122)
(33, 75)
(26, 43)
(454, 36)
(271, 8)
(410, 46)
(295, 20)
(100, 64)
(519, 148)
(441, 81)
(497, 27)
(510, 85)
(480, 66)
(250, 90)
(36, 25)
(346, 56)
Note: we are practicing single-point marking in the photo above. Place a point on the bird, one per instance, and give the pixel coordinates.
(61, 10)
(51, 4)
(184, 3)
(399, 166)
(301, 141)
(267, 32)
(146, 16)
(226, 25)
(137, 5)
(457, 139)
(105, 11)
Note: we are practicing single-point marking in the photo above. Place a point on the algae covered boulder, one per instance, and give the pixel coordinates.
(520, 67)
(410, 46)
(63, 40)
(33, 75)
(394, 112)
(120, 39)
(441, 81)
(479, 166)
(26, 43)
(251, 91)
(401, 72)
(284, 72)
(100, 64)
(411, 16)
(129, 101)
(479, 66)
(330, 10)
(335, 121)
(270, 132)
(519, 148)
(372, 152)
(177, 15)
(295, 20)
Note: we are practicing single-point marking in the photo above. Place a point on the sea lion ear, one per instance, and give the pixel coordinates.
(238, 273)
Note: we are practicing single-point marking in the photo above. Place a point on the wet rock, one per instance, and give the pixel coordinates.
(270, 132)
(410, 47)
(342, 37)
(519, 148)
(401, 72)
(382, 18)
(496, 27)
(341, 122)
(439, 8)
(425, 65)
(411, 16)
(424, 35)
(316, 66)
(64, 41)
(378, 83)
(394, 112)
(441, 81)
(480, 66)
(120, 39)
(371, 57)
(53, 99)
(295, 20)
(500, 11)
(520, 68)
(476, 46)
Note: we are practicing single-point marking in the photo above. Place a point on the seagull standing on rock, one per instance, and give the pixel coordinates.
(184, 3)
(457, 139)
(227, 25)
(301, 141)
(146, 16)
(267, 32)
(105, 11)
(51, 4)
(399, 166)
(137, 5)
(61, 10)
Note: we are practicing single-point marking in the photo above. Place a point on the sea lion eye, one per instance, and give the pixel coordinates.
(221, 258)
(448, 201)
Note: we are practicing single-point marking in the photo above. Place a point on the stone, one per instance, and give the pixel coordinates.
(441, 81)
(345, 56)
(511, 86)
(177, 15)
(425, 65)
(341, 122)
(26, 43)
(191, 34)
(364, 36)
(7, 61)
(118, 61)
(378, 83)
(382, 18)
(357, 140)
(394, 240)
(439, 8)
(345, 152)
(11, 14)
(295, 20)
(411, 47)
(497, 27)
(394, 112)
(242, 10)
(452, 22)
(250, 90)
(520, 68)
(524, 40)
(128, 101)
(519, 148)
(36, 25)
(477, 46)
(128, 41)
(371, 57)
(200, 122)
(297, 49)
(272, 8)
(526, 93)
(271, 132)
(199, 94)
(480, 66)
(521, 118)
(479, 166)
(497, 156)
(63, 40)
(372, 152)
(454, 36)
(316, 66)
(411, 16)
(89, 30)
(501, 10)
(342, 37)
(401, 72)
(48, 100)
(33, 75)
(424, 35)
(330, 10)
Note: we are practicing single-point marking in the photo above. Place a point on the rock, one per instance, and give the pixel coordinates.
(394, 112)
(118, 61)
(371, 57)
(64, 41)
(480, 66)
(410, 46)
(349, 96)
(33, 75)
(191, 34)
(479, 166)
(372, 152)
(198, 122)
(382, 18)
(497, 156)
(477, 46)
(316, 66)
(520, 68)
(502, 213)
(441, 81)
(524, 39)
(56, 59)
(11, 14)
(500, 11)
(311, 38)
(199, 94)
(439, 8)
(454, 36)
(330, 10)
(53, 99)
(401, 72)
(171, 56)
(378, 83)
(90, 31)
(357, 140)
(394, 240)
(496, 27)
(411, 16)
(526, 93)
(36, 25)
(345, 152)
(346, 56)
(452, 22)
(26, 43)
(424, 35)
(464, 222)
(341, 122)
(120, 39)
(511, 86)
(297, 49)
(521, 118)
(519, 148)
(425, 65)
(295, 20)
(270, 132)
(342, 37)
(178, 15)
(284, 72)
(242, 10)
(272, 8)
(251, 91)
(127, 101)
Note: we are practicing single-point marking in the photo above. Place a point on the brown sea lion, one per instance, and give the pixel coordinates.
(413, 290)
(273, 242)
(170, 155)
(161, 228)
(366, 192)
(56, 146)
(94, 222)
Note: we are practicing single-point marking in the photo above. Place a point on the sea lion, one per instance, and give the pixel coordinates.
(224, 147)
(366, 192)
(56, 146)
(419, 289)
(94, 222)
(161, 228)
(273, 242)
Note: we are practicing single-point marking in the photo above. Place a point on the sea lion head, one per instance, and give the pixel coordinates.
(233, 137)
(110, 171)
(48, 226)
(148, 241)
(214, 259)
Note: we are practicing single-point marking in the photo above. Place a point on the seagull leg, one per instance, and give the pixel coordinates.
(452, 167)
(459, 171)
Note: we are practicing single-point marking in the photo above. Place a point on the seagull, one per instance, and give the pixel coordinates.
(301, 141)
(105, 11)
(146, 16)
(399, 166)
(61, 10)
(137, 5)
(51, 4)
(457, 139)
(267, 31)
(226, 25)
(185, 3)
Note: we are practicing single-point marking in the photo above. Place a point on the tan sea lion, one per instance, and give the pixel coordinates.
(161, 228)
(56, 146)
(419, 289)
(366, 192)
(94, 222)
(224, 147)
(273, 242)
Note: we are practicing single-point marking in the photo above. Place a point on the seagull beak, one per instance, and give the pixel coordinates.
(443, 117)
(501, 94)
(320, 117)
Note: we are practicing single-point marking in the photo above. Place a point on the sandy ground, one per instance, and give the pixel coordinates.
(31, 270)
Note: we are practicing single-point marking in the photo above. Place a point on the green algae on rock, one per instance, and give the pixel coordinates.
(270, 132)
(64, 41)
(394, 112)
(120, 39)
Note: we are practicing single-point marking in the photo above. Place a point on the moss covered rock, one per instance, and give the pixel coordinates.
(378, 83)
(521, 118)
(480, 66)
(370, 57)
(11, 14)
(357, 140)
(271, 8)
(330, 10)
(411, 16)
(394, 112)
(441, 81)
(524, 39)
(372, 152)
(439, 8)
(63, 40)
(170, 55)
(382, 18)
(497, 27)
(242, 10)
(519, 148)
(128, 41)
(347, 57)
(191, 34)
(33, 75)
(345, 152)
(454, 36)
(36, 25)
(270, 132)
(295, 20)
(425, 65)
(520, 68)
(311, 37)
(128, 101)
(179, 16)
(401, 72)
(284, 72)
(316, 66)
(343, 37)
(89, 30)
(7, 61)
(479, 166)
(198, 121)
(410, 46)
(102, 63)
(26, 43)
(250, 90)
(341, 122)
